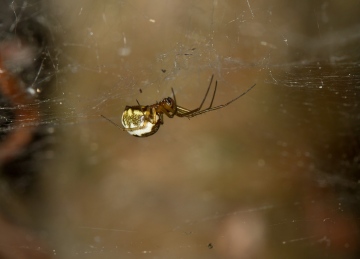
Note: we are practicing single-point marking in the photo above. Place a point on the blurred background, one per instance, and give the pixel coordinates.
(273, 175)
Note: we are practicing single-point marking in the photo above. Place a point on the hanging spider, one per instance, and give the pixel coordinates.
(144, 121)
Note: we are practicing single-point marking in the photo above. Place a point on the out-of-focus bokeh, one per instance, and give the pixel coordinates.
(273, 175)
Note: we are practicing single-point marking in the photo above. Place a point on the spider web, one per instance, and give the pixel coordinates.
(273, 175)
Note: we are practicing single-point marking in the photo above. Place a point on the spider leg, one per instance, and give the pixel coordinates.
(112, 122)
(175, 110)
(219, 106)
(154, 113)
(186, 112)
(161, 118)
(181, 111)
(212, 100)
(207, 92)
(166, 112)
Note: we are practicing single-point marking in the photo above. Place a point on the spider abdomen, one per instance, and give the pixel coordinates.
(140, 121)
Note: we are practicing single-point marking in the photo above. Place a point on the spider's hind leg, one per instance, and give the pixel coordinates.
(115, 124)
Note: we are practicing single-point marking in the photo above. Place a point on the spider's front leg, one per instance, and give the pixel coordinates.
(168, 111)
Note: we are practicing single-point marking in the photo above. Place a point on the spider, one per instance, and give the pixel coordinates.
(144, 121)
